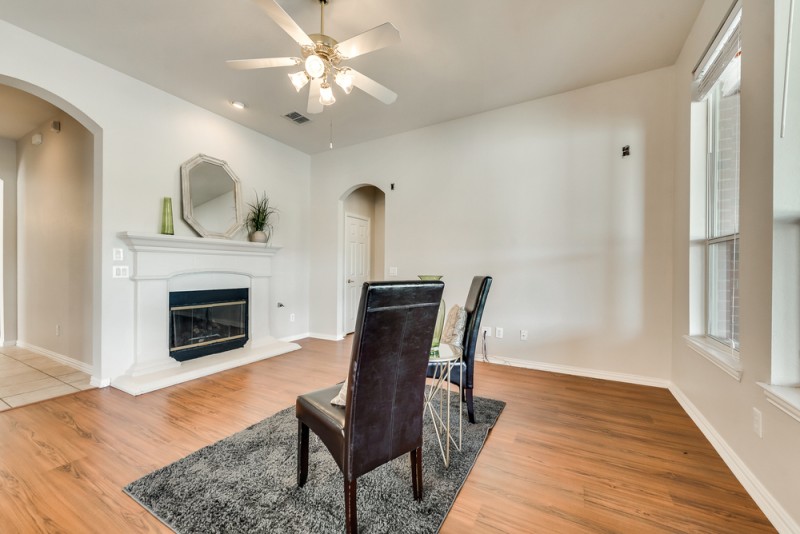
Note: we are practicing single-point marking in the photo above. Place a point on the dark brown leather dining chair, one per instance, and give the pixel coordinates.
(384, 411)
(476, 301)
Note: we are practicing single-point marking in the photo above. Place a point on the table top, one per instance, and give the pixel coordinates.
(445, 354)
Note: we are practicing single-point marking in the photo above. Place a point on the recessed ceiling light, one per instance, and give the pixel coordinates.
(237, 104)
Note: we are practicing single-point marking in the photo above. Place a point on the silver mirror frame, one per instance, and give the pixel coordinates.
(186, 194)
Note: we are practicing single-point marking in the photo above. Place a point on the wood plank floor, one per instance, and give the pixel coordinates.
(568, 454)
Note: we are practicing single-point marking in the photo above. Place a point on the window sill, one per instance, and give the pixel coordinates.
(785, 398)
(720, 357)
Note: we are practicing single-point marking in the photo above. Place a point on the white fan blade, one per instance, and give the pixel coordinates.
(314, 105)
(373, 88)
(263, 63)
(286, 22)
(369, 41)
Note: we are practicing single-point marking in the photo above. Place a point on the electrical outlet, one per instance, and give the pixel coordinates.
(487, 331)
(392, 271)
(498, 332)
(523, 335)
(291, 317)
(120, 271)
(758, 426)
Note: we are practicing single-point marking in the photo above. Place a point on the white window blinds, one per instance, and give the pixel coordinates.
(723, 49)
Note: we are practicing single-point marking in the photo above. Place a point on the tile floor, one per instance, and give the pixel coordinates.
(27, 377)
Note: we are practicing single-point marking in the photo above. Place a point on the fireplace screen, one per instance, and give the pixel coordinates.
(207, 322)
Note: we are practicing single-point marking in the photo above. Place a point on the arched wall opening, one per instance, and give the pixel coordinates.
(71, 257)
(362, 246)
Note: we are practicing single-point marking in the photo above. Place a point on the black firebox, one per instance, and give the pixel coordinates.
(207, 322)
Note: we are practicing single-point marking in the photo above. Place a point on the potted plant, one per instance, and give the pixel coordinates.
(258, 220)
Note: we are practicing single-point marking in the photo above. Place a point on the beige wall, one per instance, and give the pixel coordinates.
(8, 266)
(55, 240)
(379, 237)
(537, 195)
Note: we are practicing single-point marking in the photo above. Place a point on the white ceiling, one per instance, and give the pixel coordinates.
(457, 57)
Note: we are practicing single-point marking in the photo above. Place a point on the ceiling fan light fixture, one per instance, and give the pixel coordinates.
(323, 59)
(299, 79)
(314, 65)
(345, 80)
(326, 97)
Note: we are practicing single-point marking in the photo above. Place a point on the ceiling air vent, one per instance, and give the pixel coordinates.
(296, 117)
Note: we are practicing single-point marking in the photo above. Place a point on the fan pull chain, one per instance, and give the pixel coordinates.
(321, 16)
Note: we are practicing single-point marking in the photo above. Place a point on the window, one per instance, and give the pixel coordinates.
(715, 195)
(722, 220)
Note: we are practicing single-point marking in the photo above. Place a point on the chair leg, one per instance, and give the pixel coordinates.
(470, 407)
(302, 453)
(416, 473)
(350, 515)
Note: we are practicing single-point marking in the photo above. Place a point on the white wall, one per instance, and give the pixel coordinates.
(538, 196)
(143, 135)
(769, 466)
(55, 187)
(8, 248)
(786, 209)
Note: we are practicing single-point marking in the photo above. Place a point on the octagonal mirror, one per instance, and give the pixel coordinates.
(212, 198)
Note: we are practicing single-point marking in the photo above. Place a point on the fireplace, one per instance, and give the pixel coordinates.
(166, 264)
(207, 322)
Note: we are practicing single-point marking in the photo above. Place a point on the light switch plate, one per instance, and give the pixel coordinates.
(119, 255)
(120, 271)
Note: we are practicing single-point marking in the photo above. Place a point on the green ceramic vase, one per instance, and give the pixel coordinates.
(167, 227)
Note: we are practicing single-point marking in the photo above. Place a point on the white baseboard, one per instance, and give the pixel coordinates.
(326, 337)
(777, 515)
(9, 343)
(60, 358)
(100, 382)
(579, 371)
(290, 339)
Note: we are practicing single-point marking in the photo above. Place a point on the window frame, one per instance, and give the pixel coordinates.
(713, 237)
(709, 70)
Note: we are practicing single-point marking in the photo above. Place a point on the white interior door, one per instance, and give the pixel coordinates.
(357, 266)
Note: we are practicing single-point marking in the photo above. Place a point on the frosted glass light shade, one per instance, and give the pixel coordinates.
(299, 80)
(345, 80)
(326, 97)
(315, 67)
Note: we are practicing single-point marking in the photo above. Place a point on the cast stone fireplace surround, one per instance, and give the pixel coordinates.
(162, 263)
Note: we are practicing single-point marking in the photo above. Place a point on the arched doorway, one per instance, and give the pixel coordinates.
(363, 246)
(51, 247)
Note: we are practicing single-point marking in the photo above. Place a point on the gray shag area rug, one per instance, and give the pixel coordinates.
(248, 483)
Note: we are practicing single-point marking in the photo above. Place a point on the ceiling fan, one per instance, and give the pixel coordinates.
(323, 58)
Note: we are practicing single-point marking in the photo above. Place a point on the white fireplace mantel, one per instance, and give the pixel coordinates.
(162, 263)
